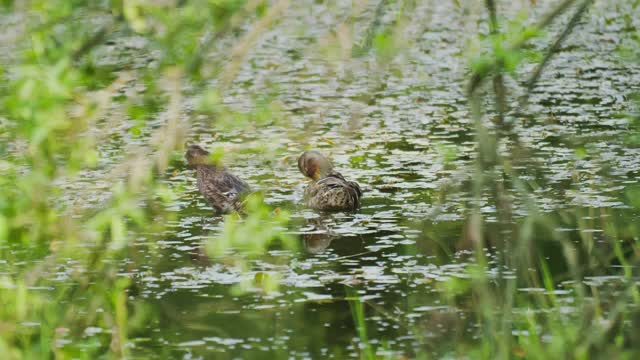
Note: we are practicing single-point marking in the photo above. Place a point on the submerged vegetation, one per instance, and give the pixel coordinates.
(496, 144)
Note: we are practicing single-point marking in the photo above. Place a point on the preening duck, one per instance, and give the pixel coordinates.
(329, 191)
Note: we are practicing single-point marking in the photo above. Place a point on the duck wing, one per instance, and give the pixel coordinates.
(356, 187)
(234, 183)
(334, 193)
(221, 188)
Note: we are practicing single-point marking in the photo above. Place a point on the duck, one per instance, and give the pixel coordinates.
(220, 188)
(329, 190)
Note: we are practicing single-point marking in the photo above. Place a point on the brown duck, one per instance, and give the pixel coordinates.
(329, 190)
(220, 188)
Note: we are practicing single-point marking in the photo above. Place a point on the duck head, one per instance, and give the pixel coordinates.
(196, 155)
(314, 165)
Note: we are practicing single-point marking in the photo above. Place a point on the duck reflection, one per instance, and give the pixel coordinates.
(317, 234)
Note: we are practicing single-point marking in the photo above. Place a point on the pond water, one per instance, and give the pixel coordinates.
(404, 131)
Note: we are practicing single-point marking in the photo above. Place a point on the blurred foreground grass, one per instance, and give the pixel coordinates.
(57, 108)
